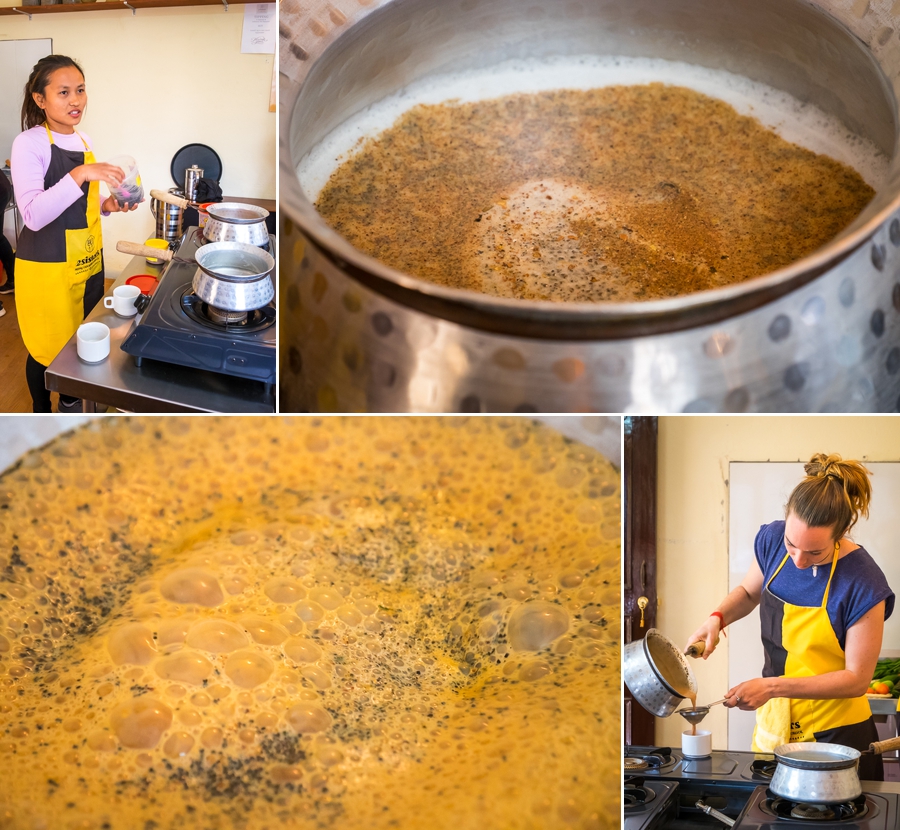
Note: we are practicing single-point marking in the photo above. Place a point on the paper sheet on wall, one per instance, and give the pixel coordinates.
(259, 32)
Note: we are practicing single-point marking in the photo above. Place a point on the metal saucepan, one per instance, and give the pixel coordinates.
(819, 773)
(655, 671)
(228, 221)
(820, 334)
(232, 276)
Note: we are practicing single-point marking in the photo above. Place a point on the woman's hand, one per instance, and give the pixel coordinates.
(111, 205)
(708, 633)
(98, 172)
(750, 695)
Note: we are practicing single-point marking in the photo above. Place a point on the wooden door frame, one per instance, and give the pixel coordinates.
(639, 557)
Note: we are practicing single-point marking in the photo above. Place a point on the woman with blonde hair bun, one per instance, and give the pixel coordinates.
(822, 604)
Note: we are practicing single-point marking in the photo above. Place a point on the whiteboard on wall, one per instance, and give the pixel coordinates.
(757, 495)
(17, 59)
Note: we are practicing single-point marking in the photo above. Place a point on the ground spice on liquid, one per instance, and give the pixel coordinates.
(614, 194)
(343, 623)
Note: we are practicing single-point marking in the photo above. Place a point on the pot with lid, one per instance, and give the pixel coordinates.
(657, 674)
(821, 334)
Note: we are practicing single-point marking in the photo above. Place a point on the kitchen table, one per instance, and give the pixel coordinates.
(154, 386)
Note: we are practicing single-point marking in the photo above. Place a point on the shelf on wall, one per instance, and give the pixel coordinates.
(118, 5)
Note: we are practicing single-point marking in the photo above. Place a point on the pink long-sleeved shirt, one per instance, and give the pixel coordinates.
(28, 164)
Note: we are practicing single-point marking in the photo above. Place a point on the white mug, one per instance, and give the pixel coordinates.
(122, 300)
(696, 746)
(92, 342)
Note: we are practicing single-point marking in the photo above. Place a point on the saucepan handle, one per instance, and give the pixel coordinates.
(885, 746)
(135, 249)
(170, 198)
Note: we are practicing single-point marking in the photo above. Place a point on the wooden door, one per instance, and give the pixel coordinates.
(639, 560)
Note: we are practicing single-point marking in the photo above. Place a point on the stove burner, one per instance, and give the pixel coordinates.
(635, 764)
(813, 812)
(637, 797)
(215, 318)
(763, 769)
(651, 758)
(228, 318)
(787, 809)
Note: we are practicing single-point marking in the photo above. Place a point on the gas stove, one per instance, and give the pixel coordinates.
(871, 811)
(736, 784)
(648, 804)
(178, 327)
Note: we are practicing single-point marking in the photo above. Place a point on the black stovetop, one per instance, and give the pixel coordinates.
(174, 329)
(736, 783)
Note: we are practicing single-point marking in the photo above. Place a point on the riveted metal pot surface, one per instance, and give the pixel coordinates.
(822, 334)
(656, 673)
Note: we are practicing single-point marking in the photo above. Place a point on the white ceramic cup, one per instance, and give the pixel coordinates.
(696, 746)
(92, 342)
(122, 300)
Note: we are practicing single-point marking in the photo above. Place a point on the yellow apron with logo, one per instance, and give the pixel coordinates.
(54, 264)
(800, 641)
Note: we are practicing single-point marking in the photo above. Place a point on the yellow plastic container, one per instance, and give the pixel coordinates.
(156, 243)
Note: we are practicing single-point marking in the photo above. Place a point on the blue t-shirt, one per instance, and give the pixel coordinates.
(857, 586)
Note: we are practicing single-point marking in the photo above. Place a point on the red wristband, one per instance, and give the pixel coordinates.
(721, 621)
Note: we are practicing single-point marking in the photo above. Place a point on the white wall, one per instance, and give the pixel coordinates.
(161, 79)
(693, 516)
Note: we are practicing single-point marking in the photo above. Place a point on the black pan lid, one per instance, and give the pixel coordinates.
(200, 154)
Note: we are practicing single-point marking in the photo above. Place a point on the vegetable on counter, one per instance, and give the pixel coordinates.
(885, 679)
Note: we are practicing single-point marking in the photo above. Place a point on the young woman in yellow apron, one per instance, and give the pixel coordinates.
(59, 268)
(823, 602)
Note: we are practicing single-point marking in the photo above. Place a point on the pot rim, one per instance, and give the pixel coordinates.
(656, 634)
(845, 757)
(625, 318)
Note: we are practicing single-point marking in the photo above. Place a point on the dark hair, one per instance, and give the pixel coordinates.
(833, 494)
(32, 114)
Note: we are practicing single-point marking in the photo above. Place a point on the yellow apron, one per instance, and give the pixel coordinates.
(54, 263)
(799, 641)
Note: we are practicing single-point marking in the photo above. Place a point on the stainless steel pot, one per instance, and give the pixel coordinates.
(169, 217)
(821, 773)
(656, 673)
(253, 233)
(234, 276)
(822, 334)
(228, 221)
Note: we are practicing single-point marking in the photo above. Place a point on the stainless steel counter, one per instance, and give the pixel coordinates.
(154, 386)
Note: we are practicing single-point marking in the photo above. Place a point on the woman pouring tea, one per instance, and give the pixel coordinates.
(822, 604)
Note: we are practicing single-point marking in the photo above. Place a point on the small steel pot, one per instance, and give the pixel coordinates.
(234, 276)
(651, 668)
(820, 773)
(221, 230)
(816, 773)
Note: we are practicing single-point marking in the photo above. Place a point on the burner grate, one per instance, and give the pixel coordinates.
(763, 768)
(221, 320)
(800, 811)
(636, 797)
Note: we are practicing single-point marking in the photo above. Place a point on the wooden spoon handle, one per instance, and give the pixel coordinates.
(135, 249)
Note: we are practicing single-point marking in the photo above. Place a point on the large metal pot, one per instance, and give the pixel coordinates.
(821, 773)
(656, 673)
(822, 334)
